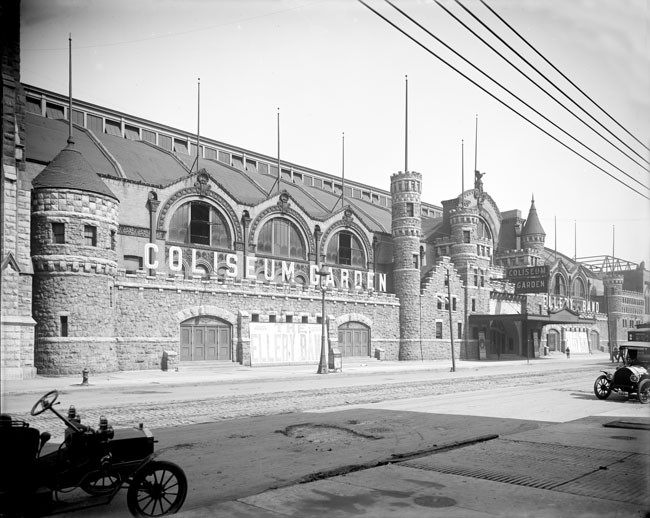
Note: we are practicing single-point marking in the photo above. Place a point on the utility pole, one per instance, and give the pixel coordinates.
(451, 324)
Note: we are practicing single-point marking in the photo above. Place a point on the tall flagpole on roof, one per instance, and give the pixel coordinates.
(476, 145)
(198, 123)
(406, 125)
(343, 169)
(279, 171)
(462, 166)
(70, 139)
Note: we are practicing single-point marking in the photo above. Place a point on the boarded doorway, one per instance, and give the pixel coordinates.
(354, 339)
(205, 338)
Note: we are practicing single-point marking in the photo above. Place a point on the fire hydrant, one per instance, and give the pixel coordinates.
(84, 374)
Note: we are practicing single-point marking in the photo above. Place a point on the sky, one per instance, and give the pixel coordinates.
(334, 67)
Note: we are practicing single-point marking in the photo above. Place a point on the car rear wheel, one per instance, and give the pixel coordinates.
(644, 391)
(602, 387)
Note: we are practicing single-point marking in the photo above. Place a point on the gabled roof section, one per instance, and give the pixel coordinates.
(532, 225)
(70, 170)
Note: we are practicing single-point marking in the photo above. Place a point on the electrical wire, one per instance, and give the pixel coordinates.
(546, 78)
(513, 94)
(562, 74)
(499, 100)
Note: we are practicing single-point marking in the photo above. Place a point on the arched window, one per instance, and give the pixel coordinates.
(345, 248)
(579, 288)
(280, 237)
(559, 285)
(198, 223)
(483, 230)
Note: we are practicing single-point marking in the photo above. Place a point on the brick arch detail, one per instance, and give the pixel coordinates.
(193, 193)
(275, 211)
(207, 311)
(352, 317)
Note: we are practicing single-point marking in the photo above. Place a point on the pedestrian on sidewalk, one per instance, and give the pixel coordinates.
(568, 353)
(617, 355)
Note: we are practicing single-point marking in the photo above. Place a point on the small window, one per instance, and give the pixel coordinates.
(474, 333)
(453, 304)
(33, 105)
(64, 325)
(110, 296)
(272, 318)
(447, 304)
(210, 153)
(416, 261)
(54, 111)
(319, 320)
(113, 128)
(94, 123)
(131, 132)
(289, 319)
(180, 146)
(473, 304)
(148, 136)
(58, 233)
(482, 281)
(132, 263)
(255, 317)
(224, 157)
(90, 235)
(113, 240)
(410, 210)
(439, 302)
(165, 142)
(466, 236)
(460, 330)
(305, 319)
(77, 118)
(438, 329)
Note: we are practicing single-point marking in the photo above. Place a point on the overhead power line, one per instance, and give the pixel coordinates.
(562, 74)
(547, 79)
(512, 94)
(499, 100)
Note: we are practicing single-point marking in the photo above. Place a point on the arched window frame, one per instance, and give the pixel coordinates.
(579, 289)
(273, 245)
(559, 285)
(215, 215)
(334, 248)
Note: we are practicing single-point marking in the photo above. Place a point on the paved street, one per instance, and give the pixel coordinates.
(380, 439)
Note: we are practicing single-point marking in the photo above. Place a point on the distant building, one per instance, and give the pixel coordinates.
(121, 250)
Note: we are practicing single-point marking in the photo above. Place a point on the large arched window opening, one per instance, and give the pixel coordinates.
(579, 288)
(280, 237)
(483, 230)
(345, 248)
(198, 223)
(559, 286)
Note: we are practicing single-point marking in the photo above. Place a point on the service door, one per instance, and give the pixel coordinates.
(205, 338)
(354, 339)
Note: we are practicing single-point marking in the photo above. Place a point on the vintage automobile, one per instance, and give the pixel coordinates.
(632, 377)
(89, 468)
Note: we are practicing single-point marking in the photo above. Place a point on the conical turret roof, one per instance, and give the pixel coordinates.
(532, 225)
(70, 170)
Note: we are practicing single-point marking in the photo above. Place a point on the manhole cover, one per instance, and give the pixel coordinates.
(321, 433)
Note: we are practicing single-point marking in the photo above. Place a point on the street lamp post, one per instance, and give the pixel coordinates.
(323, 365)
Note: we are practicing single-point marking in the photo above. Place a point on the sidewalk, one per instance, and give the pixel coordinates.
(229, 372)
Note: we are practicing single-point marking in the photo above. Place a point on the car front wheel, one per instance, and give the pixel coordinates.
(602, 387)
(644, 391)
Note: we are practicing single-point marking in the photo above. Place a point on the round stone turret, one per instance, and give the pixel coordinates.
(406, 191)
(533, 235)
(74, 236)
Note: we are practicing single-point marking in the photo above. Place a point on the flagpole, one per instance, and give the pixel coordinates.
(476, 144)
(198, 123)
(278, 179)
(406, 125)
(462, 167)
(70, 140)
(343, 169)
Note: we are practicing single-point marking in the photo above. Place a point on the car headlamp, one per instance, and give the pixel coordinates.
(634, 378)
(610, 376)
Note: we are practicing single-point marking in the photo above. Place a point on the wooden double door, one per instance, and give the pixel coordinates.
(206, 338)
(354, 339)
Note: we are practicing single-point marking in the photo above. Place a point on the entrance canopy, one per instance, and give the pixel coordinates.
(562, 316)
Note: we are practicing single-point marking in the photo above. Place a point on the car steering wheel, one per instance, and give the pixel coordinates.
(45, 402)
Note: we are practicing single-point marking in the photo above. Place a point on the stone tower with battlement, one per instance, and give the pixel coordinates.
(74, 229)
(613, 286)
(406, 191)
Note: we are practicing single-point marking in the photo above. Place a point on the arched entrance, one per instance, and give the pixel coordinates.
(354, 339)
(205, 338)
(553, 340)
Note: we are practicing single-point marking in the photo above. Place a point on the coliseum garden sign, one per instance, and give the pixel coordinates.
(347, 278)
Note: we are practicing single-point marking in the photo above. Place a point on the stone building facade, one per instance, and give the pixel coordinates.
(128, 246)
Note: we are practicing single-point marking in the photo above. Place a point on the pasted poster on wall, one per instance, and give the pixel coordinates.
(285, 343)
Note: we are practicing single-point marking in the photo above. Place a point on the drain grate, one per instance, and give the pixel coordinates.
(576, 470)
